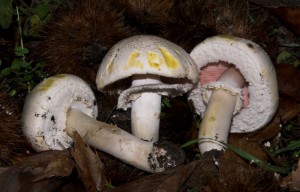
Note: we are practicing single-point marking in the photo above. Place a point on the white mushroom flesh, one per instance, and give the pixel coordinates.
(145, 110)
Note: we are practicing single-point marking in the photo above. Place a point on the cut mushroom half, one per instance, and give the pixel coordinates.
(237, 90)
(64, 103)
(155, 67)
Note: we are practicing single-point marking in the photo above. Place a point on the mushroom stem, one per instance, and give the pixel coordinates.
(110, 139)
(215, 125)
(145, 110)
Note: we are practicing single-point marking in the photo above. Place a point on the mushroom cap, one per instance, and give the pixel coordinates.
(145, 54)
(151, 55)
(45, 111)
(257, 69)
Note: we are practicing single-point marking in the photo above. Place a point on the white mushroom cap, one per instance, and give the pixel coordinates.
(258, 71)
(145, 54)
(44, 119)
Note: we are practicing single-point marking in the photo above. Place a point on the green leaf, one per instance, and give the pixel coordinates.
(25, 64)
(39, 64)
(27, 78)
(5, 71)
(293, 145)
(273, 32)
(12, 92)
(19, 51)
(166, 102)
(42, 10)
(16, 65)
(296, 63)
(6, 13)
(283, 56)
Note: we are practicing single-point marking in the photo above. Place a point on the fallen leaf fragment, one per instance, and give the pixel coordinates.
(41, 172)
(290, 16)
(77, 169)
(292, 181)
(89, 165)
(211, 174)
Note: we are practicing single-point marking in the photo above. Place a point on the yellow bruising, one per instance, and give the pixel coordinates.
(228, 38)
(170, 61)
(45, 85)
(154, 60)
(134, 61)
(208, 123)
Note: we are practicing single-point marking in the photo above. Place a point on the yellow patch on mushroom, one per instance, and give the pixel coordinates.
(170, 60)
(229, 38)
(48, 83)
(134, 61)
(154, 60)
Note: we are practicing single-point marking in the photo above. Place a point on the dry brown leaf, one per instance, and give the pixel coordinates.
(292, 181)
(206, 175)
(41, 172)
(290, 16)
(171, 180)
(89, 165)
(288, 81)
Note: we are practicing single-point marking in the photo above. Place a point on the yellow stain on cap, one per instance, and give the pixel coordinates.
(134, 61)
(228, 38)
(45, 85)
(170, 61)
(154, 60)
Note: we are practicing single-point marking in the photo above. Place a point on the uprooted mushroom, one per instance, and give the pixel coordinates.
(62, 104)
(237, 90)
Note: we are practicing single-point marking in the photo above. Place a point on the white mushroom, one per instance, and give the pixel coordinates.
(237, 90)
(156, 67)
(64, 103)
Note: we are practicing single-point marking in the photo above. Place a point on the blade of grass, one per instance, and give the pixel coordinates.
(292, 146)
(258, 162)
(189, 143)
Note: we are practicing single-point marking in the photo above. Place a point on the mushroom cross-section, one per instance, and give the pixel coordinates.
(62, 104)
(237, 90)
(155, 67)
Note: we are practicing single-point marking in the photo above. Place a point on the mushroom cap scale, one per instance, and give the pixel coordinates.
(45, 110)
(257, 69)
(145, 54)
